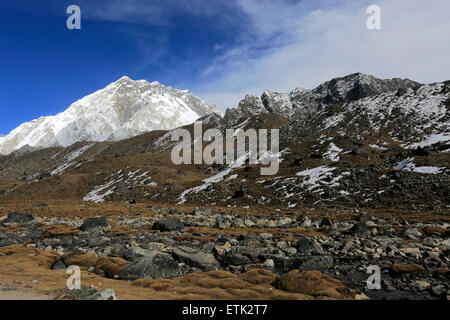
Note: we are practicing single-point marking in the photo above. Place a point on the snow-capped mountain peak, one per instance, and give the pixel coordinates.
(123, 109)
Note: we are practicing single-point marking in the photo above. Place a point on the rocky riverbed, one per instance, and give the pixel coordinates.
(172, 243)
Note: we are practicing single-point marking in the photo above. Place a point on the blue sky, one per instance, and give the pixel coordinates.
(218, 49)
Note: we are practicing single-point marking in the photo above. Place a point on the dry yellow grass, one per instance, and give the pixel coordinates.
(21, 265)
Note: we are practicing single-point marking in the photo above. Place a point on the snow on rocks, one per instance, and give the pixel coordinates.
(333, 121)
(68, 159)
(98, 194)
(214, 179)
(431, 140)
(408, 165)
(316, 176)
(333, 152)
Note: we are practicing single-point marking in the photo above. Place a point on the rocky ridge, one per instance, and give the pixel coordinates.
(303, 103)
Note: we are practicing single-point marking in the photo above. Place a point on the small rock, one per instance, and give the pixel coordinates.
(107, 294)
(412, 232)
(202, 211)
(223, 222)
(347, 245)
(155, 246)
(376, 255)
(266, 236)
(439, 290)
(168, 225)
(305, 222)
(220, 251)
(284, 221)
(446, 243)
(99, 224)
(98, 241)
(359, 228)
(236, 259)
(269, 264)
(249, 223)
(40, 205)
(421, 285)
(433, 254)
(326, 223)
(59, 265)
(412, 252)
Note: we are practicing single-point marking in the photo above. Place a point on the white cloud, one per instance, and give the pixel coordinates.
(286, 44)
(310, 45)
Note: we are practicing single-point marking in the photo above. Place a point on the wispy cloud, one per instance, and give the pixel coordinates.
(277, 44)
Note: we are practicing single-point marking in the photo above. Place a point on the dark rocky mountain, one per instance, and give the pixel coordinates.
(302, 103)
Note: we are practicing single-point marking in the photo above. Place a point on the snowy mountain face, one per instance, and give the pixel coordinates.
(408, 119)
(122, 110)
(302, 103)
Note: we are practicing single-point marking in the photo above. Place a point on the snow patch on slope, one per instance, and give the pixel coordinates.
(98, 194)
(315, 176)
(408, 165)
(67, 162)
(333, 152)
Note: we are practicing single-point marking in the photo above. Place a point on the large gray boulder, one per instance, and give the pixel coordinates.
(236, 259)
(134, 253)
(17, 218)
(308, 246)
(168, 225)
(99, 224)
(154, 266)
(195, 258)
(359, 229)
(317, 263)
